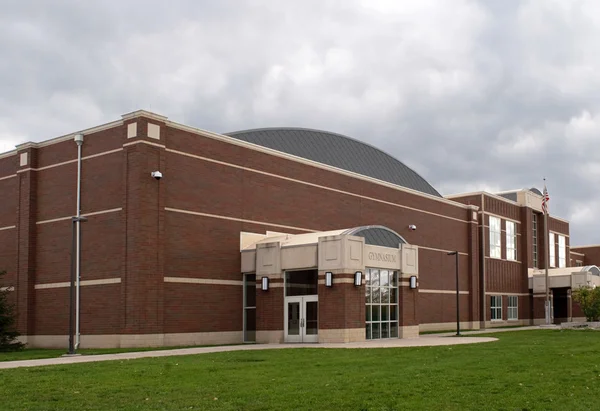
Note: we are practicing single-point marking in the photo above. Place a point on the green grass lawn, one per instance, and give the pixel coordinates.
(524, 370)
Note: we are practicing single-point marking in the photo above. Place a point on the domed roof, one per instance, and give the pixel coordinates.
(338, 151)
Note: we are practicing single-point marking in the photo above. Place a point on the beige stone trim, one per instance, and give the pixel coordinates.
(10, 288)
(143, 113)
(270, 337)
(451, 326)
(207, 281)
(210, 160)
(339, 281)
(7, 177)
(153, 131)
(559, 233)
(10, 227)
(71, 136)
(485, 193)
(82, 283)
(271, 285)
(136, 340)
(428, 291)
(8, 154)
(342, 335)
(71, 161)
(585, 246)
(144, 142)
(511, 294)
(504, 323)
(176, 210)
(411, 331)
(112, 210)
(276, 153)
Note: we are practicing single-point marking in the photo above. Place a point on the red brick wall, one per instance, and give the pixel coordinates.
(341, 306)
(591, 255)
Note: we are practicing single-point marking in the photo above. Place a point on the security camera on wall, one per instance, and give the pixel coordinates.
(412, 227)
(157, 175)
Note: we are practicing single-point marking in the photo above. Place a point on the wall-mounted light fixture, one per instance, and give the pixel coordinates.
(358, 278)
(265, 283)
(328, 279)
(413, 281)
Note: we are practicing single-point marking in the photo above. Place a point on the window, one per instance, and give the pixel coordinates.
(513, 307)
(562, 251)
(249, 308)
(496, 306)
(495, 245)
(552, 250)
(579, 263)
(535, 242)
(511, 240)
(381, 296)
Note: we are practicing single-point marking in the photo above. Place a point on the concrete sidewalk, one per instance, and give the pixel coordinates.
(495, 330)
(424, 341)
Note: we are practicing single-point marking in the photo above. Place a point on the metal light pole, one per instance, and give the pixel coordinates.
(455, 253)
(74, 221)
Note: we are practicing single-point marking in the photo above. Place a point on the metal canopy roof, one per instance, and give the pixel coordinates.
(338, 151)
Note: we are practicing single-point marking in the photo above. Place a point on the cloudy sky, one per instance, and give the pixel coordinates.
(474, 95)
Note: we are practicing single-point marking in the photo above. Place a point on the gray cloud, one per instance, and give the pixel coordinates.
(473, 95)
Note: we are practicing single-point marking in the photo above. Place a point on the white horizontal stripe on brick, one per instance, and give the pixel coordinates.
(144, 142)
(210, 160)
(512, 294)
(209, 281)
(422, 290)
(10, 227)
(112, 210)
(7, 177)
(71, 161)
(81, 283)
(7, 288)
(176, 210)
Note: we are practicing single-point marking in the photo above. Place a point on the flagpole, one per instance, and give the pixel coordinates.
(547, 253)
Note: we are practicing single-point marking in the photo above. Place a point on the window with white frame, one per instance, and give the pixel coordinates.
(578, 263)
(551, 246)
(535, 241)
(562, 251)
(511, 240)
(513, 307)
(496, 307)
(495, 244)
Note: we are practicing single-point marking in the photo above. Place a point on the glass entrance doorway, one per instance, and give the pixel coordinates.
(301, 316)
(302, 319)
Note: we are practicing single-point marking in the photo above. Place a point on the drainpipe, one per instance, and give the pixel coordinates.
(79, 141)
(482, 267)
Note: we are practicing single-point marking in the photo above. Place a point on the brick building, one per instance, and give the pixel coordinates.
(263, 235)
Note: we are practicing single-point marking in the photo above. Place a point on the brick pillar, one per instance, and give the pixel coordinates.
(341, 309)
(474, 309)
(269, 311)
(26, 239)
(407, 307)
(143, 266)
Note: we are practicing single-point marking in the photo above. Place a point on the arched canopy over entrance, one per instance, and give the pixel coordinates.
(592, 269)
(377, 235)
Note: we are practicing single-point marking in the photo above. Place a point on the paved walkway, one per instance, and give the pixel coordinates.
(423, 341)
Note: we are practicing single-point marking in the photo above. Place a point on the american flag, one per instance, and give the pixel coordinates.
(545, 199)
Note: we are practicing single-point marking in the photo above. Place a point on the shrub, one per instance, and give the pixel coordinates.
(588, 299)
(8, 333)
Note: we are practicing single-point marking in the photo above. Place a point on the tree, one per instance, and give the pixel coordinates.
(8, 333)
(588, 299)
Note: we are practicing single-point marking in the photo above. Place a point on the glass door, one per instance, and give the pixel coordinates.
(302, 319)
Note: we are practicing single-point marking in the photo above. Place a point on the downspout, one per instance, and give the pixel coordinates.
(483, 314)
(79, 141)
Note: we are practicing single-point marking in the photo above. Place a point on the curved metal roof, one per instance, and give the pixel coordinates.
(377, 235)
(338, 151)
